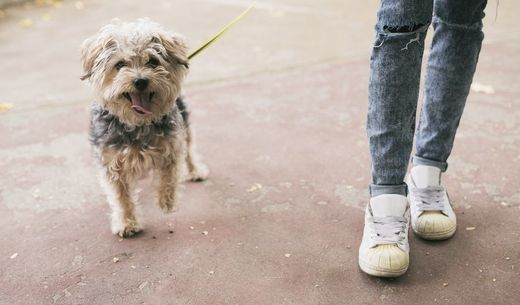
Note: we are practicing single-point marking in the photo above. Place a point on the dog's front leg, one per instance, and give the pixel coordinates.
(168, 179)
(197, 171)
(124, 221)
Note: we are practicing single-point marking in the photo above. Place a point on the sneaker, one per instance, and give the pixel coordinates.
(432, 215)
(384, 250)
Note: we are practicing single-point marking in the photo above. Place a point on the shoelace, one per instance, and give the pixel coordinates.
(387, 230)
(430, 198)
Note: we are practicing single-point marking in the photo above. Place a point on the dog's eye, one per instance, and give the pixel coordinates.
(153, 62)
(120, 64)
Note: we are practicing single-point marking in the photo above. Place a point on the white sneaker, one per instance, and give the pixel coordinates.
(384, 250)
(432, 215)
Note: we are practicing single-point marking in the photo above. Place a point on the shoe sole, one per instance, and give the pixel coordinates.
(436, 235)
(379, 272)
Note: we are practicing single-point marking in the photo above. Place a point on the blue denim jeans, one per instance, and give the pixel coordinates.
(395, 67)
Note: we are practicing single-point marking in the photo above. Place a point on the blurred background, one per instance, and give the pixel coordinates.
(279, 106)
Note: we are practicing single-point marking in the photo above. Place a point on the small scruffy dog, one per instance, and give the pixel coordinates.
(139, 121)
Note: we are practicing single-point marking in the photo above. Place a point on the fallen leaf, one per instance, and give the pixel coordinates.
(144, 284)
(57, 3)
(77, 260)
(254, 187)
(480, 88)
(470, 228)
(5, 107)
(25, 23)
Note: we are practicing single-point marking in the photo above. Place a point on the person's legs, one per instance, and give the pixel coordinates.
(453, 57)
(395, 69)
(393, 91)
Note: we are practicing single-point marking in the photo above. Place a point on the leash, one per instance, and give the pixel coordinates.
(219, 34)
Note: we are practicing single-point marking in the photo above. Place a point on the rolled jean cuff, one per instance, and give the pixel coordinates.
(423, 161)
(385, 189)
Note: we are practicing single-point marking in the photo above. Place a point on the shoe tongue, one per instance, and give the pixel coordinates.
(424, 176)
(141, 101)
(388, 205)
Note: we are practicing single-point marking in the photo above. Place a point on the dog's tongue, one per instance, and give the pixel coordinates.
(141, 102)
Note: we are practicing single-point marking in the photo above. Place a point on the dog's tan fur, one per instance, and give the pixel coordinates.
(134, 45)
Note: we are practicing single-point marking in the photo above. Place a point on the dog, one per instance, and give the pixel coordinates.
(139, 122)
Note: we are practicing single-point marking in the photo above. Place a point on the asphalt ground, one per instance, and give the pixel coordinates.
(279, 107)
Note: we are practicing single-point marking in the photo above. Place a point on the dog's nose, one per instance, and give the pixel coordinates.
(140, 83)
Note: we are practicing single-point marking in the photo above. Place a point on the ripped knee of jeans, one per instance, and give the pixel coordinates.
(391, 30)
(415, 30)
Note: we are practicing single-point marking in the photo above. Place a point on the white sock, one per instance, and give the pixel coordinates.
(425, 176)
(388, 205)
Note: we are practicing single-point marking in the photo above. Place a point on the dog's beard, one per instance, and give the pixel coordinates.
(134, 107)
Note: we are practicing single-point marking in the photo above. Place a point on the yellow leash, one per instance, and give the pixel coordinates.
(219, 34)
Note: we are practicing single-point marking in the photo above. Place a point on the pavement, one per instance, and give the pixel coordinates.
(279, 110)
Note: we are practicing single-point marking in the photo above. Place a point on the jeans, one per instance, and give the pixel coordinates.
(395, 67)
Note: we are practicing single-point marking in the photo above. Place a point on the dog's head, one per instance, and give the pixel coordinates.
(136, 69)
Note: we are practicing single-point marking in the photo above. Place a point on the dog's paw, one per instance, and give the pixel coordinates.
(199, 173)
(168, 206)
(126, 230)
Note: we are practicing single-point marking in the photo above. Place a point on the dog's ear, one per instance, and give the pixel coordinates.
(176, 49)
(91, 49)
